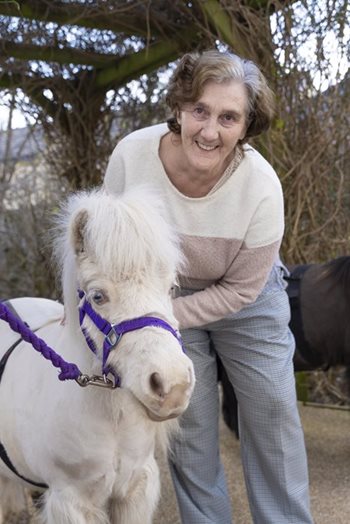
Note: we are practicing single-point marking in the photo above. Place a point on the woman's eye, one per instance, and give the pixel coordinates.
(227, 119)
(199, 112)
(98, 297)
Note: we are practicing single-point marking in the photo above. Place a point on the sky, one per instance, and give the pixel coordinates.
(18, 118)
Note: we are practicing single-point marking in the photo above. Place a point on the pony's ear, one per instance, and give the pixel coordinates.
(78, 231)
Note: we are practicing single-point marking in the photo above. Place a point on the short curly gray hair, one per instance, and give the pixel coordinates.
(195, 69)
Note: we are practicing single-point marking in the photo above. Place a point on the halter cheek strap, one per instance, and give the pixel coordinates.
(114, 332)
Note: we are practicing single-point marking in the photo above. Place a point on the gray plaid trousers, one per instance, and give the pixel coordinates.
(256, 348)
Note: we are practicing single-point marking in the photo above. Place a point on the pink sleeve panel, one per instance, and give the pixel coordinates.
(240, 286)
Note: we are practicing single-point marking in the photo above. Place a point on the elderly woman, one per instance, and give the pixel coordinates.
(226, 202)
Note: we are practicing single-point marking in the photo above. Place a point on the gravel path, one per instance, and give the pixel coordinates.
(327, 436)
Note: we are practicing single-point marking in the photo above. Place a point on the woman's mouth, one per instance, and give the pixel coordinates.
(205, 147)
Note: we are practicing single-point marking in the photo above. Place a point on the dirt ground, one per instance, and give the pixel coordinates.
(327, 436)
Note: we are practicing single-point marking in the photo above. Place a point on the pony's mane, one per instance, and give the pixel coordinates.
(127, 236)
(338, 270)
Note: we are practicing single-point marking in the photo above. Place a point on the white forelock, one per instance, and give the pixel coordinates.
(126, 236)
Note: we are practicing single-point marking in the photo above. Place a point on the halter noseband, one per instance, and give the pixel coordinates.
(114, 332)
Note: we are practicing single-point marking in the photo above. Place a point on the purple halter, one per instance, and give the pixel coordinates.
(114, 332)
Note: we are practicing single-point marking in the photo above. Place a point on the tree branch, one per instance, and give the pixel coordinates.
(136, 64)
(27, 84)
(55, 54)
(130, 21)
(221, 22)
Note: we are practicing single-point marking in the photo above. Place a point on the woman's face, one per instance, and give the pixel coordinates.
(211, 127)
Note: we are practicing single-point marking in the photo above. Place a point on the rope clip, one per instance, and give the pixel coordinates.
(96, 380)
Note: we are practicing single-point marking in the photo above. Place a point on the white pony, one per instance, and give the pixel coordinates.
(93, 447)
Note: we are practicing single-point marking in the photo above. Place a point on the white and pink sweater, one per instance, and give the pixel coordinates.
(230, 237)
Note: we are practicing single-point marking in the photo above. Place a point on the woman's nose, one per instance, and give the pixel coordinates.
(210, 129)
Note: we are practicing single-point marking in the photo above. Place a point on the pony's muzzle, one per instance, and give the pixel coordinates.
(170, 402)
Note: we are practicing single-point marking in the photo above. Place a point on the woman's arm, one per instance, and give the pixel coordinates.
(239, 287)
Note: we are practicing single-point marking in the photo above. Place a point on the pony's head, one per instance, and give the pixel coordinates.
(123, 254)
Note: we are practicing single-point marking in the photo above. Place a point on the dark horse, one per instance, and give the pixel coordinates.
(319, 296)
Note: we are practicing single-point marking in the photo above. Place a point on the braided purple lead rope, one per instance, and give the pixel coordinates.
(68, 370)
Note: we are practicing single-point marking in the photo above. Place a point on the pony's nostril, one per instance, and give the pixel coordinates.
(156, 384)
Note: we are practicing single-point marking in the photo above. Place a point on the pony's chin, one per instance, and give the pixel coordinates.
(159, 418)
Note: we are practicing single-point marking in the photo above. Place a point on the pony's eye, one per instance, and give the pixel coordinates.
(99, 297)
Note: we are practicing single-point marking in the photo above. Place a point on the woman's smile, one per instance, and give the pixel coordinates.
(205, 147)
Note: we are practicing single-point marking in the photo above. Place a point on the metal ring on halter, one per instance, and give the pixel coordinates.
(113, 337)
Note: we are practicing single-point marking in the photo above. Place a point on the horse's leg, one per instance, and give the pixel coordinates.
(141, 500)
(68, 506)
(14, 500)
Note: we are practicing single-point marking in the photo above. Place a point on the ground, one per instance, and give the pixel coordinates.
(327, 437)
